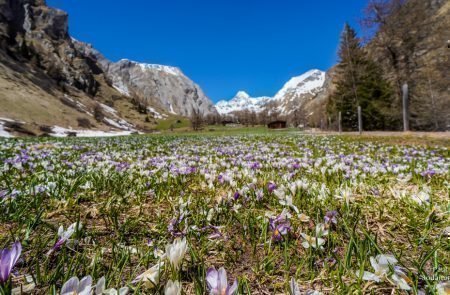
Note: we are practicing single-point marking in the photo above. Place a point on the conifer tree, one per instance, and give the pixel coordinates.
(360, 82)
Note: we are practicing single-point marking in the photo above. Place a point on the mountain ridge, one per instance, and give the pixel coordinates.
(49, 79)
(294, 93)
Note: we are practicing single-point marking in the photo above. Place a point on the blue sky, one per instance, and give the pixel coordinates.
(223, 45)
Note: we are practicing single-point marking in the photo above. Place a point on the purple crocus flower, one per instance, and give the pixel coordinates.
(259, 195)
(271, 187)
(174, 227)
(280, 226)
(428, 173)
(8, 258)
(218, 283)
(331, 217)
(64, 236)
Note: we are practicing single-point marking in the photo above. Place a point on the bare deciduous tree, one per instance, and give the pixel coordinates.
(196, 119)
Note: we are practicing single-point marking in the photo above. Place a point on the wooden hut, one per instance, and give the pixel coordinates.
(278, 124)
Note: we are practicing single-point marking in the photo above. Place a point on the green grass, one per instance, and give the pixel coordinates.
(126, 191)
(173, 122)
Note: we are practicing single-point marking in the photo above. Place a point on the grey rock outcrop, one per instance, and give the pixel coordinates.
(162, 86)
(32, 32)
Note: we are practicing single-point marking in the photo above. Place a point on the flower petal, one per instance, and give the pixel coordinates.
(70, 287)
(124, 291)
(233, 288)
(212, 278)
(368, 276)
(222, 280)
(294, 287)
(100, 286)
(85, 286)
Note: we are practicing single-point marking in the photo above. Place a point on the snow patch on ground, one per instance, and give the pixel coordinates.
(64, 132)
(10, 120)
(108, 109)
(171, 109)
(156, 114)
(79, 105)
(117, 121)
(3, 132)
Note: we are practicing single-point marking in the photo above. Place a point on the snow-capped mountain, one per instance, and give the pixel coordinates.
(165, 87)
(296, 92)
(240, 102)
(299, 90)
(308, 82)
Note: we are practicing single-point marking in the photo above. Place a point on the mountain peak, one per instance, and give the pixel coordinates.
(309, 82)
(242, 94)
(153, 67)
(295, 91)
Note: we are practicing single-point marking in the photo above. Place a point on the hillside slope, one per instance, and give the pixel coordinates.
(48, 80)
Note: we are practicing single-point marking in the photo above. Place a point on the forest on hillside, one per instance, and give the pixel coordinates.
(405, 44)
(401, 42)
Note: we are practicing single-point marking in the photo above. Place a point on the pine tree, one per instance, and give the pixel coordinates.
(360, 83)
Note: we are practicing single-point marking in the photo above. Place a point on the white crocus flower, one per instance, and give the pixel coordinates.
(176, 251)
(294, 287)
(323, 192)
(310, 241)
(382, 264)
(66, 234)
(151, 276)
(210, 215)
(318, 241)
(321, 230)
(172, 288)
(285, 200)
(76, 287)
(100, 289)
(423, 197)
(443, 288)
(346, 195)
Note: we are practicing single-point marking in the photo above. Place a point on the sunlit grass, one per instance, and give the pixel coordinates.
(133, 196)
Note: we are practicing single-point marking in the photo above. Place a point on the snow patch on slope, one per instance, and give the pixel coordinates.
(64, 132)
(3, 132)
(156, 114)
(155, 67)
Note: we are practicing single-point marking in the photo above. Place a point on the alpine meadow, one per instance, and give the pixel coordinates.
(127, 165)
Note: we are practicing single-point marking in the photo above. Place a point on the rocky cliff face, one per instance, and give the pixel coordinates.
(164, 86)
(32, 32)
(47, 77)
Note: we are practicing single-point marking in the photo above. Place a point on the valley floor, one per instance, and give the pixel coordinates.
(282, 212)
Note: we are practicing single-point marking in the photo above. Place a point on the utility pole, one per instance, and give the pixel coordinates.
(405, 108)
(359, 120)
(340, 122)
